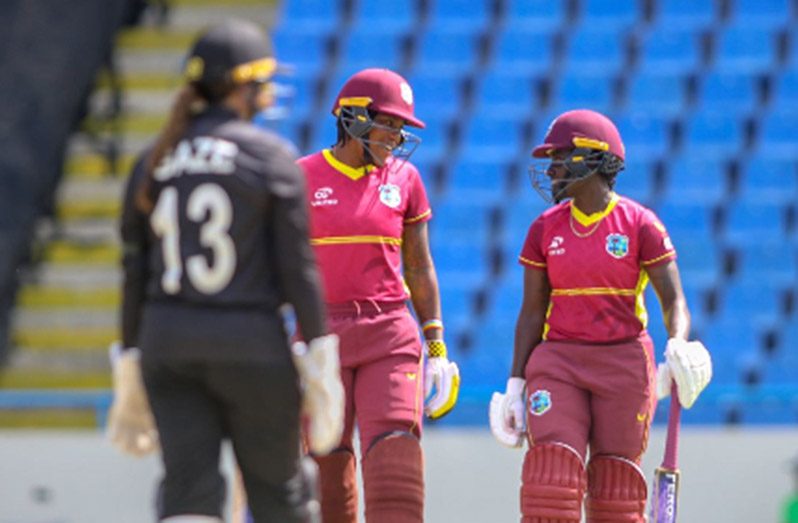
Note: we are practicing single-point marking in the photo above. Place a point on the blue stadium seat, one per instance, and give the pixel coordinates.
(686, 218)
(595, 48)
(518, 216)
(745, 49)
(457, 300)
(695, 297)
(434, 137)
(666, 50)
(319, 17)
(778, 133)
(736, 93)
(387, 18)
(753, 222)
(712, 135)
(323, 134)
(464, 219)
(700, 263)
(637, 180)
(459, 259)
(473, 178)
(785, 88)
(613, 15)
(436, 94)
(729, 340)
(767, 178)
(575, 89)
(494, 138)
(535, 15)
(694, 15)
(468, 15)
(524, 51)
(765, 14)
(656, 93)
(786, 342)
(450, 51)
(306, 52)
(756, 303)
(505, 92)
(370, 47)
(772, 262)
(645, 136)
(696, 178)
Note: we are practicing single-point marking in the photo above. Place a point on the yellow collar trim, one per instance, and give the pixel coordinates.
(586, 220)
(354, 173)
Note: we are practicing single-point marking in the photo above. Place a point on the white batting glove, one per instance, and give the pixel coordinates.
(664, 380)
(691, 367)
(507, 414)
(323, 396)
(441, 381)
(131, 427)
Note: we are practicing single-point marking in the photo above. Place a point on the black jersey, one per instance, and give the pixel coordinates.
(228, 232)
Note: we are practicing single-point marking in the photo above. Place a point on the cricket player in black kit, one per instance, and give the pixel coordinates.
(215, 237)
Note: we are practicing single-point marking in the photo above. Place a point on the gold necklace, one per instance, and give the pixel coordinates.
(583, 234)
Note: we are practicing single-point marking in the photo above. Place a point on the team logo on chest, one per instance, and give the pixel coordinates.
(617, 245)
(390, 195)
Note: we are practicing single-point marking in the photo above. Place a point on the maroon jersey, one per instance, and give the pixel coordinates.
(357, 216)
(596, 267)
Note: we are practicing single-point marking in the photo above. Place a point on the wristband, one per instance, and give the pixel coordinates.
(431, 324)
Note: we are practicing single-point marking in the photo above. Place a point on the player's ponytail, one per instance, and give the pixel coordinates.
(179, 118)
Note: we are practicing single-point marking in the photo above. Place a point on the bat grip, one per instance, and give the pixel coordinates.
(670, 459)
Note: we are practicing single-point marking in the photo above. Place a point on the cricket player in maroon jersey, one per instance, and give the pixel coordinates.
(583, 360)
(369, 213)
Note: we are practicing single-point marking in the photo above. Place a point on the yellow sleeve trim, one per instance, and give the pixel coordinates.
(421, 216)
(659, 258)
(342, 240)
(533, 263)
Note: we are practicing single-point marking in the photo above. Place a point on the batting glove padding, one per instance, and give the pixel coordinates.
(691, 368)
(323, 396)
(507, 414)
(441, 381)
(131, 427)
(664, 380)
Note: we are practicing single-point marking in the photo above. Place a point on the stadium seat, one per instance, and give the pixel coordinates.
(535, 15)
(645, 136)
(713, 135)
(736, 93)
(473, 178)
(686, 14)
(450, 51)
(524, 51)
(576, 89)
(307, 53)
(596, 49)
(772, 262)
(785, 88)
(700, 262)
(462, 219)
(468, 15)
(434, 138)
(686, 218)
(658, 94)
(732, 343)
(667, 50)
(436, 94)
(501, 92)
(696, 178)
(619, 16)
(754, 302)
(764, 14)
(318, 17)
(767, 178)
(494, 138)
(370, 47)
(637, 180)
(753, 222)
(458, 258)
(744, 49)
(387, 18)
(778, 133)
(457, 300)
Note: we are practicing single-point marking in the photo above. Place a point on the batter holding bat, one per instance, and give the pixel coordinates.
(369, 214)
(583, 384)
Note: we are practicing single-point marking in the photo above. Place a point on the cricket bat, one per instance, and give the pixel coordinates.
(665, 490)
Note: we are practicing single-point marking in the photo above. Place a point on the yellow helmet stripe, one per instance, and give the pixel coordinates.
(590, 143)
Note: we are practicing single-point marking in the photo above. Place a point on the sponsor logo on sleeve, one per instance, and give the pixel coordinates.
(555, 247)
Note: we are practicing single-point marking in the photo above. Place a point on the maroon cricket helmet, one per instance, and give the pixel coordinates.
(581, 128)
(380, 90)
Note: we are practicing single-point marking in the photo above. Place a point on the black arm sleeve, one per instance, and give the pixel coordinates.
(295, 264)
(134, 259)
